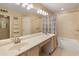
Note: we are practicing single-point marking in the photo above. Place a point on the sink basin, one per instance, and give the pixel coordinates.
(18, 46)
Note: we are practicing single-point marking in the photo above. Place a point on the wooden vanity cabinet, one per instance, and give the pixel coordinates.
(48, 46)
(53, 43)
(44, 43)
(23, 54)
(32, 52)
(45, 48)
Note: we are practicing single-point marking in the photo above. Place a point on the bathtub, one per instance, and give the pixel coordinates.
(68, 43)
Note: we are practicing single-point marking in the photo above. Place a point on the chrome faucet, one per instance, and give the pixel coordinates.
(17, 40)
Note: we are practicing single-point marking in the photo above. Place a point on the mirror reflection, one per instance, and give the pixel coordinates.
(20, 20)
(4, 26)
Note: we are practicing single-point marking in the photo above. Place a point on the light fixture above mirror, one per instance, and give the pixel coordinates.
(29, 6)
(42, 12)
(24, 5)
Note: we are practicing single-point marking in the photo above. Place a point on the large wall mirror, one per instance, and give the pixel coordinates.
(4, 27)
(32, 24)
(19, 21)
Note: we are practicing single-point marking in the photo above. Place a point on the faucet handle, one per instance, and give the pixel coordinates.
(17, 40)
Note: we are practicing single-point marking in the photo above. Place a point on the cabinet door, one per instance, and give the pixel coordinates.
(53, 43)
(34, 51)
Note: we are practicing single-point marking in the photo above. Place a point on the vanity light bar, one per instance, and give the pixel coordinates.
(28, 6)
(31, 5)
(39, 11)
(24, 5)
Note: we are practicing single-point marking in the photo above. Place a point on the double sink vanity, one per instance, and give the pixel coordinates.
(38, 44)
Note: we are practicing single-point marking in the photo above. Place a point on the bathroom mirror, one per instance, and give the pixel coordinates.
(19, 21)
(4, 26)
(32, 24)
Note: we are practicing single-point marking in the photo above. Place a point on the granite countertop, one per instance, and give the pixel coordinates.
(27, 42)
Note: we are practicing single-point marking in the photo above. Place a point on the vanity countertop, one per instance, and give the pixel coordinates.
(27, 43)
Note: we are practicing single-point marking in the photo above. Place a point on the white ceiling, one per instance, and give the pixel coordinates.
(12, 6)
(56, 7)
(17, 8)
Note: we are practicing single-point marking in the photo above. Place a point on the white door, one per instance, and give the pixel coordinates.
(26, 26)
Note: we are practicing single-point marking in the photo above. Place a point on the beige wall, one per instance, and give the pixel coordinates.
(67, 24)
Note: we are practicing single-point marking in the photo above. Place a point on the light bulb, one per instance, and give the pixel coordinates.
(23, 5)
(28, 8)
(62, 8)
(31, 5)
(43, 12)
(46, 13)
(38, 11)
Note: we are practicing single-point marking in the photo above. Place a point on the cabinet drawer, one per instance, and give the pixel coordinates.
(34, 51)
